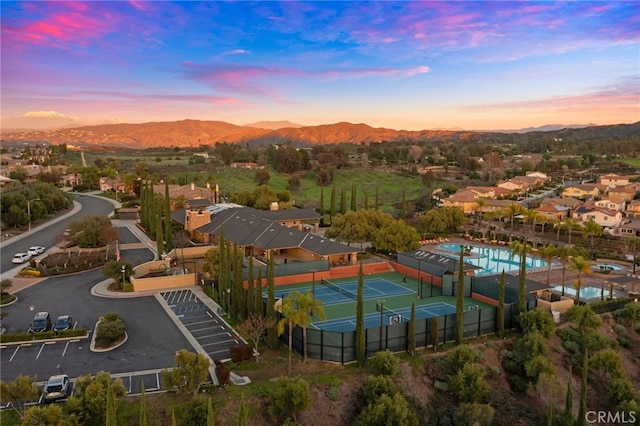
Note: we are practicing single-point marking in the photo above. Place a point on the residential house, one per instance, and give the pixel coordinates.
(513, 186)
(539, 175)
(602, 216)
(626, 192)
(570, 202)
(108, 184)
(554, 211)
(613, 180)
(582, 191)
(630, 228)
(465, 200)
(483, 191)
(611, 202)
(633, 210)
(190, 192)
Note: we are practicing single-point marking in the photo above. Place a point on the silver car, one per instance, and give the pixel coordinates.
(35, 250)
(57, 387)
(21, 257)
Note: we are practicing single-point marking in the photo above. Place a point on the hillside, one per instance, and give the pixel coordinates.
(193, 133)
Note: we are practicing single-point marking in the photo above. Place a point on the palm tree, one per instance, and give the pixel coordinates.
(563, 252)
(548, 252)
(581, 265)
(520, 249)
(293, 315)
(512, 210)
(633, 244)
(591, 229)
(570, 224)
(310, 306)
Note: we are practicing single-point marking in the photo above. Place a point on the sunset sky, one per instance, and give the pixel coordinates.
(402, 65)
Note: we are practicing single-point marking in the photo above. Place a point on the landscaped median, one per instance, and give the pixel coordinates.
(44, 336)
(109, 333)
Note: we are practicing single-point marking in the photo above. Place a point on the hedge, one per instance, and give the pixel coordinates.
(609, 305)
(43, 335)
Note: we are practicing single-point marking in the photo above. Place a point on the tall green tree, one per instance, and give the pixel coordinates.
(272, 333)
(460, 299)
(211, 414)
(569, 419)
(168, 231)
(353, 197)
(112, 407)
(18, 392)
(548, 252)
(433, 322)
(403, 204)
(309, 307)
(411, 331)
(224, 275)
(633, 244)
(343, 201)
(582, 413)
(591, 230)
(365, 204)
(292, 316)
(321, 205)
(520, 249)
(189, 372)
(332, 211)
(251, 291)
(582, 266)
(143, 406)
(500, 310)
(361, 350)
(159, 237)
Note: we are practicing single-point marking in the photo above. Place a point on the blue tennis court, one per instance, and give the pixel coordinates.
(346, 292)
(372, 320)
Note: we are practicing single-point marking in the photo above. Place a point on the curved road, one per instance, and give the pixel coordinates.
(48, 233)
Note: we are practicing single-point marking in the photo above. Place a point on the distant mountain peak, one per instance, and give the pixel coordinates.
(274, 125)
(47, 114)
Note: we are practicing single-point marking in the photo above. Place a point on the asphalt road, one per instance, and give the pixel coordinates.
(49, 233)
(153, 338)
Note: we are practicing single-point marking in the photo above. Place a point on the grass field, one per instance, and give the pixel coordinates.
(632, 161)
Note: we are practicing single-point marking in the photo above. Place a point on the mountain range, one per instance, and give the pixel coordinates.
(193, 133)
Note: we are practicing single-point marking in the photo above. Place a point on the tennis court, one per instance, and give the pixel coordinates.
(331, 294)
(372, 320)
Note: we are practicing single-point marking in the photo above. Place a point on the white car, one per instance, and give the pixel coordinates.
(21, 257)
(35, 250)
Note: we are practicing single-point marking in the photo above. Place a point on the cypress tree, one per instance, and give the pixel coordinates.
(434, 333)
(332, 212)
(143, 407)
(159, 237)
(353, 197)
(251, 292)
(582, 414)
(272, 332)
(522, 304)
(460, 299)
(568, 403)
(168, 231)
(500, 310)
(411, 331)
(258, 298)
(112, 407)
(321, 205)
(366, 200)
(241, 292)
(343, 201)
(211, 415)
(144, 205)
(361, 350)
(223, 275)
(234, 310)
(403, 204)
(377, 204)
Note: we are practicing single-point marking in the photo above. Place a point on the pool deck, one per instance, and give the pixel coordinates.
(594, 279)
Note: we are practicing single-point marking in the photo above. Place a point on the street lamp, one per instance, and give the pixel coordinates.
(313, 282)
(29, 210)
(381, 303)
(124, 269)
(33, 325)
(228, 299)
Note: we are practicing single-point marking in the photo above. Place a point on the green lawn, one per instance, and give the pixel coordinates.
(632, 161)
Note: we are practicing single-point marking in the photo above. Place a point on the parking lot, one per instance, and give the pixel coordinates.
(209, 330)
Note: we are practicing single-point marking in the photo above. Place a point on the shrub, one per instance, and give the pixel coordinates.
(289, 396)
(110, 328)
(241, 353)
(384, 363)
(457, 359)
(620, 329)
(223, 373)
(388, 410)
(474, 414)
(537, 321)
(376, 386)
(469, 384)
(332, 393)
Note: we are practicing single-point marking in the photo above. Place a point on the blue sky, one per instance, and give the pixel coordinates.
(403, 65)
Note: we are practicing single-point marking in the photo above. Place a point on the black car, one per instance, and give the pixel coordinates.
(64, 322)
(41, 322)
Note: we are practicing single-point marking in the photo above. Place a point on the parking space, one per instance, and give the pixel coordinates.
(207, 328)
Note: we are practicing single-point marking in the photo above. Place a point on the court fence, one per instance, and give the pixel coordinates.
(337, 346)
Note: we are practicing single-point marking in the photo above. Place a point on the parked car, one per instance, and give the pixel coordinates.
(58, 387)
(67, 232)
(41, 322)
(35, 250)
(21, 257)
(64, 322)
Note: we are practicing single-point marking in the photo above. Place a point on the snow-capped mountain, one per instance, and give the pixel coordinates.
(49, 120)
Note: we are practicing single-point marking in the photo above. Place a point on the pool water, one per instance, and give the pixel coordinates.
(585, 292)
(493, 260)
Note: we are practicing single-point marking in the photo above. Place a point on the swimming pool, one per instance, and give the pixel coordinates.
(585, 292)
(598, 267)
(493, 260)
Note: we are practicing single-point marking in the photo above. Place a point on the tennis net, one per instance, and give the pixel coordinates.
(339, 289)
(394, 317)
